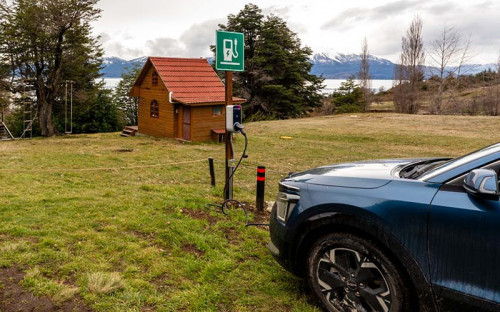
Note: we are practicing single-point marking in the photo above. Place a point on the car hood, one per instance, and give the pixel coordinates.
(362, 174)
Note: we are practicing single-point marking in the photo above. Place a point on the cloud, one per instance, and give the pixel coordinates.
(198, 38)
(282, 12)
(165, 47)
(115, 45)
(194, 42)
(359, 14)
(104, 37)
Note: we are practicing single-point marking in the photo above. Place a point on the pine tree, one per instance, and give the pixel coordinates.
(50, 41)
(276, 81)
(129, 106)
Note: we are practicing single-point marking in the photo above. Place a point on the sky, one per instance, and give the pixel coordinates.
(186, 28)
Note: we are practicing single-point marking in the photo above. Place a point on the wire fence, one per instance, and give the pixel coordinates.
(99, 168)
(247, 166)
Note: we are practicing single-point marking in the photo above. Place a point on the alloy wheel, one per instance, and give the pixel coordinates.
(352, 282)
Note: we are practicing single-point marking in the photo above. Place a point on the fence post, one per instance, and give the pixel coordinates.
(212, 171)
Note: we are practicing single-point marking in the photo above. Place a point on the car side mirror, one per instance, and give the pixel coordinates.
(482, 183)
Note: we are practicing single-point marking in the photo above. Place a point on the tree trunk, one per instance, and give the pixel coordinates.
(47, 127)
(47, 91)
(45, 119)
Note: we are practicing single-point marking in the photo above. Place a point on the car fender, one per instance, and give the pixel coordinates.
(365, 225)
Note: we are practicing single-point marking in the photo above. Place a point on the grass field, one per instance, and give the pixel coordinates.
(105, 223)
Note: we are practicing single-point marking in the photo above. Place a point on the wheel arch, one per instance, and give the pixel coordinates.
(325, 223)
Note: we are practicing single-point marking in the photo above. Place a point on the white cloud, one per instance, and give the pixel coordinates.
(186, 28)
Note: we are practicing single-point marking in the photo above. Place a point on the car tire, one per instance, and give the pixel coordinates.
(350, 273)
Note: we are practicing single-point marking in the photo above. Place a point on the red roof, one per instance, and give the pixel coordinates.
(192, 80)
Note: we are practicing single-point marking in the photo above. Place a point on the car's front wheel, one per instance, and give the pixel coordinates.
(349, 273)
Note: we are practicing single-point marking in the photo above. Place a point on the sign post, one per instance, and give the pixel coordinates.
(228, 192)
(229, 57)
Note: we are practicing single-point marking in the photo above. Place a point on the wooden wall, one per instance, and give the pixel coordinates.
(169, 123)
(164, 124)
(203, 121)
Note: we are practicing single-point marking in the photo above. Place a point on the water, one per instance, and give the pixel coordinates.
(111, 83)
(331, 84)
(334, 84)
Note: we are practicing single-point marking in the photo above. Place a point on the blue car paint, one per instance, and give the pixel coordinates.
(464, 244)
(426, 221)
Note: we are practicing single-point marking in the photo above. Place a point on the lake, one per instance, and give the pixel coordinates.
(111, 83)
(330, 84)
(334, 84)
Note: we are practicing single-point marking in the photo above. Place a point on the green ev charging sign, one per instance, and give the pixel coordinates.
(229, 51)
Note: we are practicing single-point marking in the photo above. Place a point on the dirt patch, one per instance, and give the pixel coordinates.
(192, 249)
(200, 214)
(231, 234)
(13, 298)
(261, 217)
(124, 150)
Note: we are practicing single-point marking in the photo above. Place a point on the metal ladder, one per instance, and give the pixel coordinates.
(5, 132)
(28, 116)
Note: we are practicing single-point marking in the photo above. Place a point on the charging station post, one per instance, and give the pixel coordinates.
(229, 57)
(228, 194)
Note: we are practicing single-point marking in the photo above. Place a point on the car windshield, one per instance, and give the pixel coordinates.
(457, 162)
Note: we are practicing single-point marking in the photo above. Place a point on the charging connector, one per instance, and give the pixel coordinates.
(233, 117)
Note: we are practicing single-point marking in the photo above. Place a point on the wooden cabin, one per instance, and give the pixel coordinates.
(180, 98)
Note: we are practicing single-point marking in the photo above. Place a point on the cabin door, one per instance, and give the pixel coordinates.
(186, 123)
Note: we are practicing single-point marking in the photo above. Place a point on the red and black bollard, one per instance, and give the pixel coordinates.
(261, 185)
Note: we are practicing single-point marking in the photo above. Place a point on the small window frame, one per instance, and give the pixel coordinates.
(214, 108)
(154, 79)
(154, 109)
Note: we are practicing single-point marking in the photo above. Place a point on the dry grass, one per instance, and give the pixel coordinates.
(104, 283)
(70, 225)
(66, 293)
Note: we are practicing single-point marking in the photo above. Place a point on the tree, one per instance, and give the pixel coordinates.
(50, 41)
(349, 97)
(409, 72)
(129, 106)
(276, 81)
(449, 49)
(100, 115)
(364, 73)
(443, 51)
(497, 87)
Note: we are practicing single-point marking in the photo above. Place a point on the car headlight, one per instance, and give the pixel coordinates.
(285, 204)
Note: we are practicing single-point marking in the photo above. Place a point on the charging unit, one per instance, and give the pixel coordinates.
(233, 116)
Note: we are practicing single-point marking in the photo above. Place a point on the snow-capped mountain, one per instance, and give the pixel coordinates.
(334, 66)
(113, 67)
(342, 66)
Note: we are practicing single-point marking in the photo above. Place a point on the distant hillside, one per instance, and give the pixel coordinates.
(339, 66)
(115, 66)
(342, 66)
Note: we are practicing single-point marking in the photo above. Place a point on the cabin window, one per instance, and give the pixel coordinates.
(216, 110)
(155, 109)
(154, 79)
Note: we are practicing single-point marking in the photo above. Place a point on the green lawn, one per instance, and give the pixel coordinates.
(119, 223)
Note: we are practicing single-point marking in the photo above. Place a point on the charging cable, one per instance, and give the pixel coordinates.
(223, 207)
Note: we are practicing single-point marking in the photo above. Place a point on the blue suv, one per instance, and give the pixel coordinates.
(394, 235)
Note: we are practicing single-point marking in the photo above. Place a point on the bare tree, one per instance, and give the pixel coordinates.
(409, 72)
(497, 88)
(464, 56)
(364, 74)
(443, 52)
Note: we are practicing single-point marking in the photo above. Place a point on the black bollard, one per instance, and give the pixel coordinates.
(212, 171)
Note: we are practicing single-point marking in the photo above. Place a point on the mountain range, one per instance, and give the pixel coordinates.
(337, 66)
